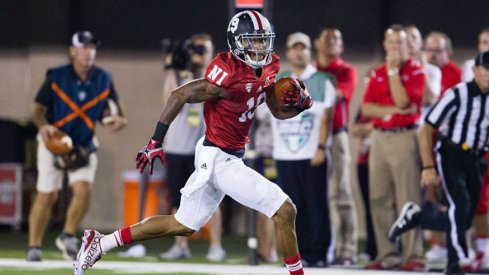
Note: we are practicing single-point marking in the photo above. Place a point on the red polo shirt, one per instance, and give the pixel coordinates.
(451, 75)
(378, 91)
(346, 80)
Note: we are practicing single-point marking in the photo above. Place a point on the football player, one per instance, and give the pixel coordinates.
(235, 84)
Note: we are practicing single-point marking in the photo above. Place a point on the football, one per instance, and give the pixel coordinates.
(59, 143)
(277, 90)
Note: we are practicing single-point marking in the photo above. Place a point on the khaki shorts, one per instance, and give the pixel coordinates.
(50, 178)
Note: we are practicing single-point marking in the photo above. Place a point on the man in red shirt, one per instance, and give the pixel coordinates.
(438, 48)
(329, 46)
(392, 99)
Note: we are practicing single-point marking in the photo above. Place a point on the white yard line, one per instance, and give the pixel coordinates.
(144, 267)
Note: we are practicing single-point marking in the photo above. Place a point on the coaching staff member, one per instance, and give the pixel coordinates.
(72, 99)
(462, 117)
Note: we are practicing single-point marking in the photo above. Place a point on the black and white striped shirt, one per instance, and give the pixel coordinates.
(462, 116)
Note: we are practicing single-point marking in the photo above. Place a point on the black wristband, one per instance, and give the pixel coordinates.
(429, 167)
(160, 131)
(322, 146)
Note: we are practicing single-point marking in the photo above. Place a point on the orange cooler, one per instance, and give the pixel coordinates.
(132, 180)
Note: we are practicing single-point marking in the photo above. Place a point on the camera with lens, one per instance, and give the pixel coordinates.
(180, 53)
(177, 54)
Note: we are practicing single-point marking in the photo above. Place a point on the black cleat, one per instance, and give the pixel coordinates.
(408, 219)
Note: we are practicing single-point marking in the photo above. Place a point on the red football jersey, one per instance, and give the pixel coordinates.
(228, 120)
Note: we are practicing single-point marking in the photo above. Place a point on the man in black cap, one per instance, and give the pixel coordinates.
(462, 118)
(72, 98)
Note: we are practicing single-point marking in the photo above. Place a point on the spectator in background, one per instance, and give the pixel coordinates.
(460, 116)
(437, 253)
(265, 165)
(72, 98)
(482, 46)
(329, 46)
(189, 62)
(438, 49)
(300, 145)
(432, 73)
(392, 99)
(361, 129)
(481, 220)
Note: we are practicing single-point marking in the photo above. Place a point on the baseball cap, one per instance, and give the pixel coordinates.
(82, 38)
(298, 37)
(482, 59)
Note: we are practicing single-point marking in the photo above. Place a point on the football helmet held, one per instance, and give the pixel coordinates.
(250, 38)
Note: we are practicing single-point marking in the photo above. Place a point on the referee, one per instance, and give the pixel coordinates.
(462, 118)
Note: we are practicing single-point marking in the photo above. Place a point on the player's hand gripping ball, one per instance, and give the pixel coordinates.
(291, 93)
(59, 143)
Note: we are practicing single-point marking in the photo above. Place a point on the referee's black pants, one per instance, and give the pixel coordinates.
(461, 175)
(307, 186)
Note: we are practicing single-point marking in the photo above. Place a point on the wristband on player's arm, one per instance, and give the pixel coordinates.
(160, 131)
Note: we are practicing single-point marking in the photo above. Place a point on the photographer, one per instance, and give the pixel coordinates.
(188, 61)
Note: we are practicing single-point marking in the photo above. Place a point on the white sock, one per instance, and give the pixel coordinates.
(483, 245)
(111, 241)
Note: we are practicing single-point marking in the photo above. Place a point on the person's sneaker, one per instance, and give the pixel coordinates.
(34, 254)
(473, 263)
(413, 266)
(176, 252)
(68, 246)
(381, 265)
(90, 252)
(216, 253)
(436, 255)
(485, 262)
(408, 219)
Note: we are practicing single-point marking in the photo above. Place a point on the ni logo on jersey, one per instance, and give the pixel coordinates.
(217, 73)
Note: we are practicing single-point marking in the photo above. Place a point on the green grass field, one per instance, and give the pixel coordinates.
(8, 271)
(14, 245)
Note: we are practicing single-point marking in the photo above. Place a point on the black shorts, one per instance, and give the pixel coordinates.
(179, 169)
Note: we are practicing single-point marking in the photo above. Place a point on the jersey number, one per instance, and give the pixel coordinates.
(248, 114)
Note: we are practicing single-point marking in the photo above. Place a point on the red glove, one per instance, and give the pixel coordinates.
(300, 98)
(148, 154)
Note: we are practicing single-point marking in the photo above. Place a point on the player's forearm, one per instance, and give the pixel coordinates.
(326, 122)
(377, 110)
(172, 107)
(398, 92)
(425, 139)
(193, 92)
(429, 97)
(38, 114)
